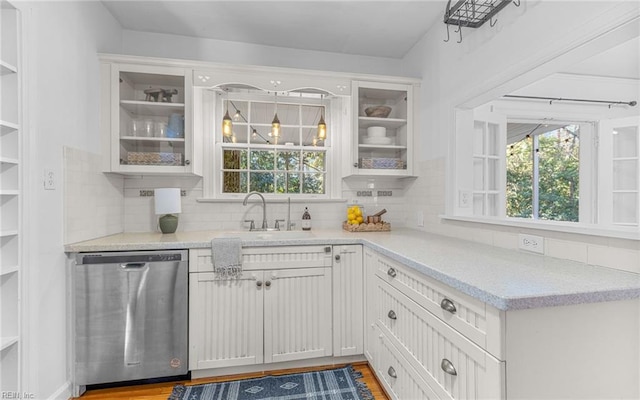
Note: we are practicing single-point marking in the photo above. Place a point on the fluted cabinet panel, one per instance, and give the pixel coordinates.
(430, 345)
(297, 314)
(471, 317)
(226, 319)
(348, 300)
(400, 380)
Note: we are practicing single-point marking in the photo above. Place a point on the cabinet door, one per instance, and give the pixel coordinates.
(225, 320)
(370, 280)
(347, 300)
(146, 132)
(383, 128)
(297, 314)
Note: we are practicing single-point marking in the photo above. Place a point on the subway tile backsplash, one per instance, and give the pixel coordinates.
(97, 204)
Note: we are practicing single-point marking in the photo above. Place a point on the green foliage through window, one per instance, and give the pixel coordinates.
(558, 160)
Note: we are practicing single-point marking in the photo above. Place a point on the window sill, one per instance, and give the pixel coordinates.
(631, 233)
(270, 200)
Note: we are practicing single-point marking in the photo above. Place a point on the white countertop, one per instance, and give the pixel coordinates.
(505, 279)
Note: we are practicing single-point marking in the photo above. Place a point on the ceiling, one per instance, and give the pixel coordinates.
(370, 28)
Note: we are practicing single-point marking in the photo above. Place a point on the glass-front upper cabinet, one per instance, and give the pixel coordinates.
(383, 129)
(146, 119)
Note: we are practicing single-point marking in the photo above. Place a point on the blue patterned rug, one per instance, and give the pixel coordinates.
(334, 384)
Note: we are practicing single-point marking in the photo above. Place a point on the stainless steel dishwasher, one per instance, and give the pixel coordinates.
(130, 316)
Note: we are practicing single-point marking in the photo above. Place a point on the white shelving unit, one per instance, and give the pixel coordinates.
(393, 158)
(134, 140)
(10, 198)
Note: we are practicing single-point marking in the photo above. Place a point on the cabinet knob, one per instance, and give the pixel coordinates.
(392, 372)
(391, 272)
(187, 162)
(392, 315)
(448, 305)
(267, 283)
(448, 367)
(337, 257)
(259, 284)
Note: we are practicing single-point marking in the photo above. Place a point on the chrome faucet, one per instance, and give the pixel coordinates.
(264, 207)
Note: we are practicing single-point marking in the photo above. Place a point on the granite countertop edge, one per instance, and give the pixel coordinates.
(142, 241)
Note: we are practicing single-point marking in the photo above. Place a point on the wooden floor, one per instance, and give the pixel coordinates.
(161, 391)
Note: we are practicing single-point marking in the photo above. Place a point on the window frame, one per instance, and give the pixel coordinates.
(211, 106)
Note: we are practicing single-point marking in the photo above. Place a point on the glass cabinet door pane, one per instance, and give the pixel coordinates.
(625, 141)
(625, 208)
(625, 174)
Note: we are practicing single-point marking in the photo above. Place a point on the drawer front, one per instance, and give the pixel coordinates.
(258, 258)
(453, 366)
(471, 317)
(399, 379)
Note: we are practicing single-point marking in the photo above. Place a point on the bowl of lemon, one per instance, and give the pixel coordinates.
(356, 222)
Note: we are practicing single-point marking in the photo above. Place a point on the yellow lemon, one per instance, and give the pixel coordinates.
(358, 212)
(351, 216)
(359, 218)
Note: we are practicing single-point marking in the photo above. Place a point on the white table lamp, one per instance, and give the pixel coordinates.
(167, 201)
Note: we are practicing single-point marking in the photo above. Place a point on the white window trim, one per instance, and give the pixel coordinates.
(207, 112)
(588, 225)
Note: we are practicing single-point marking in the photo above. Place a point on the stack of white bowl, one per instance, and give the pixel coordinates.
(377, 135)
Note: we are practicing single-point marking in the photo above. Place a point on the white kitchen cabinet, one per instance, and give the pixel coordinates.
(382, 145)
(11, 139)
(142, 132)
(279, 310)
(348, 297)
(399, 378)
(571, 352)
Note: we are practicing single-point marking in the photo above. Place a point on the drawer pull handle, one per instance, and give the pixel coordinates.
(448, 367)
(392, 272)
(392, 372)
(392, 314)
(448, 305)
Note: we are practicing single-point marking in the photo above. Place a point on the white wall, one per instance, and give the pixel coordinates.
(189, 48)
(528, 43)
(61, 82)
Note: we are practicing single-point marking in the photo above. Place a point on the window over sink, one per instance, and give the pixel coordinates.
(292, 162)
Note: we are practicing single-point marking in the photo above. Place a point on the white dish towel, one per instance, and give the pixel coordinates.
(226, 256)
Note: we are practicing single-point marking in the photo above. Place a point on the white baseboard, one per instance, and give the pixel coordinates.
(63, 392)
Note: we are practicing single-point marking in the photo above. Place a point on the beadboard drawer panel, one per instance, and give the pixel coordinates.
(260, 258)
(426, 341)
(474, 319)
(399, 379)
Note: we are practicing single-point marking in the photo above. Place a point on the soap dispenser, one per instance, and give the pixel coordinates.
(306, 220)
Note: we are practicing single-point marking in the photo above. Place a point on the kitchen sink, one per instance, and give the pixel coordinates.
(270, 235)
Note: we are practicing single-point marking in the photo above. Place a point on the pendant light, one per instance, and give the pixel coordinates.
(322, 126)
(275, 124)
(227, 127)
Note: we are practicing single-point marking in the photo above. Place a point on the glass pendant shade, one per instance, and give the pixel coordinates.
(275, 126)
(227, 130)
(322, 129)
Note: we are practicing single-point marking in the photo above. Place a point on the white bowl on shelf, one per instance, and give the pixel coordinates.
(377, 131)
(377, 140)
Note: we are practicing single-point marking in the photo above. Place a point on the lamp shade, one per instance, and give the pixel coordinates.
(167, 201)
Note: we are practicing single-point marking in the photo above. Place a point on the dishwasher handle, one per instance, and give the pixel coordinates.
(133, 266)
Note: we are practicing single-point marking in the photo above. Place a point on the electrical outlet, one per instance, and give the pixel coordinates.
(531, 243)
(464, 198)
(49, 180)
